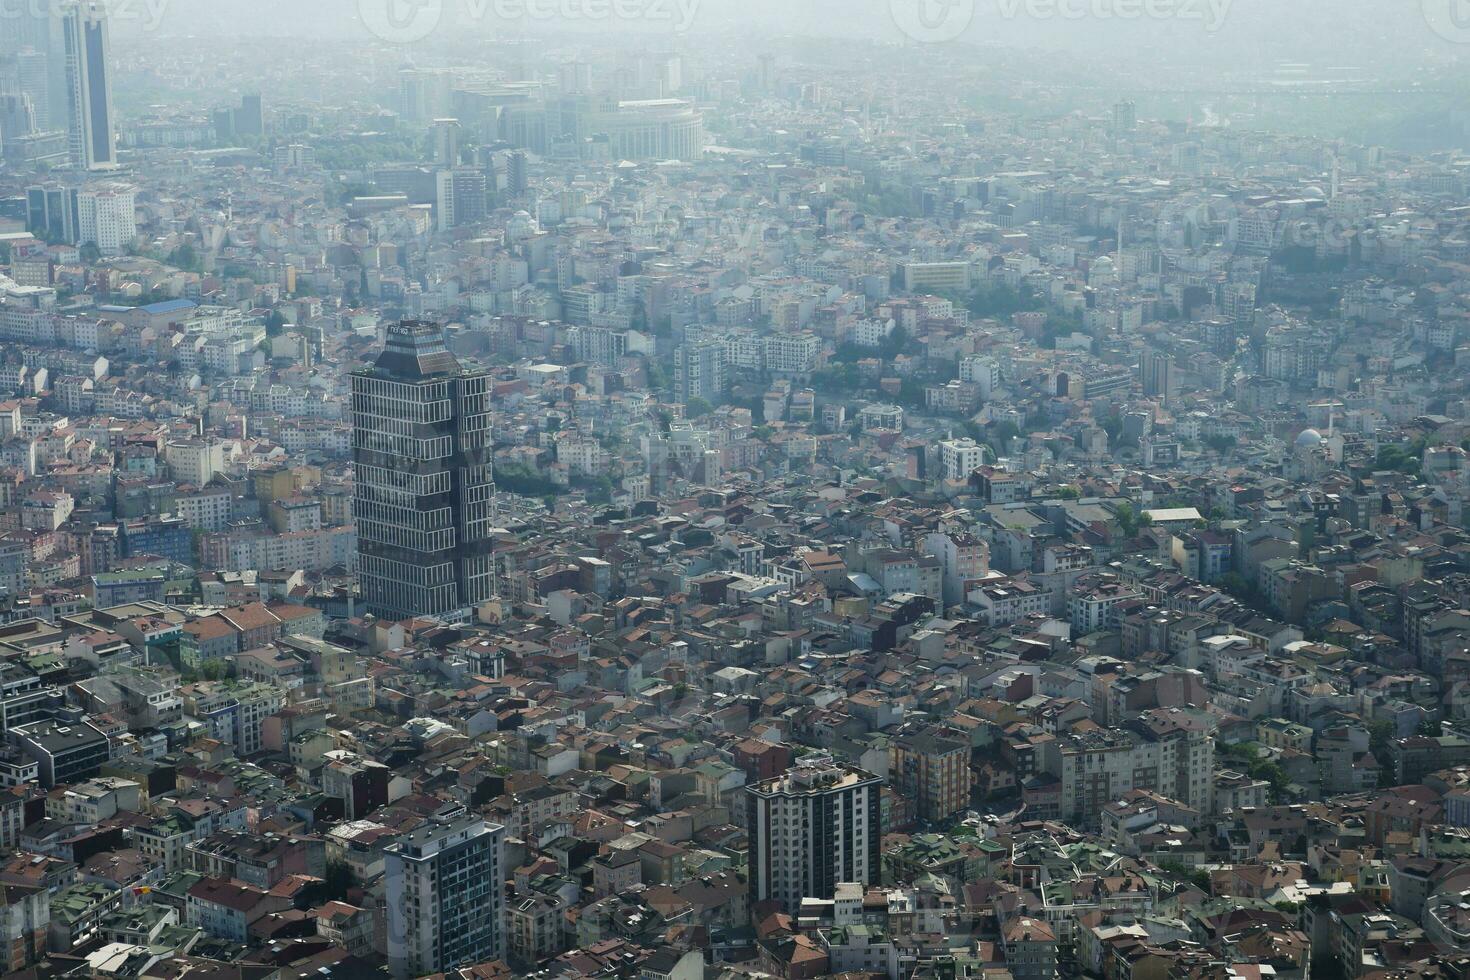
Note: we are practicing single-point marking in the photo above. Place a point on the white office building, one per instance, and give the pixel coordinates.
(107, 217)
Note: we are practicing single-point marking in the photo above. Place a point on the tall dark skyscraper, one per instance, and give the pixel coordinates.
(52, 213)
(515, 173)
(1156, 372)
(1125, 118)
(250, 117)
(88, 50)
(421, 443)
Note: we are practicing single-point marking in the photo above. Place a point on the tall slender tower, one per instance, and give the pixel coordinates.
(424, 485)
(88, 51)
(814, 826)
(32, 78)
(31, 32)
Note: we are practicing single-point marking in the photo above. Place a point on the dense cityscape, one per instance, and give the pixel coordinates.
(652, 490)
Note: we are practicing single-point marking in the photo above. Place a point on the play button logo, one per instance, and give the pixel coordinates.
(401, 21)
(932, 21)
(1450, 19)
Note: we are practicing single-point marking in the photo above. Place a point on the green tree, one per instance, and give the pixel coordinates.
(1195, 876)
(1128, 519)
(1402, 459)
(522, 481)
(1235, 584)
(1308, 537)
(1001, 434)
(837, 379)
(345, 191)
(599, 489)
(658, 375)
(894, 344)
(697, 408)
(1380, 734)
(1000, 301)
(334, 887)
(1220, 444)
(185, 257)
(911, 392)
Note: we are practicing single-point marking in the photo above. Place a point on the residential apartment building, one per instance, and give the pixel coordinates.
(932, 770)
(810, 828)
(445, 886)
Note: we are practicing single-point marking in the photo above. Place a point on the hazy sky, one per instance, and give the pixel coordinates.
(1320, 31)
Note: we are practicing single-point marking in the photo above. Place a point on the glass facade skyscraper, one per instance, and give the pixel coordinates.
(424, 487)
(90, 126)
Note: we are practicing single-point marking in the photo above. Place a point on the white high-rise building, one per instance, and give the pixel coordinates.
(791, 353)
(816, 825)
(107, 217)
(960, 458)
(87, 47)
(983, 371)
(701, 370)
(445, 885)
(32, 80)
(295, 156)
